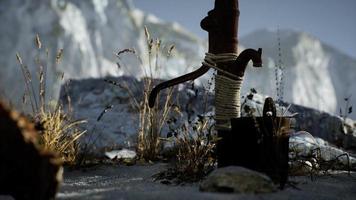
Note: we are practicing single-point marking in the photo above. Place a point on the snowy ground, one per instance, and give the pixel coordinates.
(136, 182)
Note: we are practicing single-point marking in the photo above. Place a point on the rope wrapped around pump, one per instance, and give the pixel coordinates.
(212, 60)
(227, 90)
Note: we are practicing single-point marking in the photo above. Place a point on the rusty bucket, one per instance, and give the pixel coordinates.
(258, 143)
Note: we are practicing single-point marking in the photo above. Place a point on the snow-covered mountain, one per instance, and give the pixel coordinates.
(316, 75)
(90, 32)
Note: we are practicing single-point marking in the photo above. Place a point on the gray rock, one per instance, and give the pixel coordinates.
(234, 179)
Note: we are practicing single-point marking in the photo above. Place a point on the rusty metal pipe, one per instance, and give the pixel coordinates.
(187, 77)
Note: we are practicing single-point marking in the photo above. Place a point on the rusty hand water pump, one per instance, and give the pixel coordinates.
(222, 27)
(253, 142)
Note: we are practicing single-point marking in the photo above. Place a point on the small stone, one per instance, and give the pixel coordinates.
(121, 154)
(234, 179)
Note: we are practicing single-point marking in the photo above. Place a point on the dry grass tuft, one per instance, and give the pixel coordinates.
(153, 119)
(58, 133)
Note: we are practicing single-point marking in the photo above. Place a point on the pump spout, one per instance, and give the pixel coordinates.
(245, 56)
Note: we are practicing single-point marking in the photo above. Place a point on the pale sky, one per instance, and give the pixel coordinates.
(332, 21)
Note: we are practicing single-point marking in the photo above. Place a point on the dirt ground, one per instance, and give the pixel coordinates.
(136, 182)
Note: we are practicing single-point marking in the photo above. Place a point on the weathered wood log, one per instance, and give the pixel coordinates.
(26, 171)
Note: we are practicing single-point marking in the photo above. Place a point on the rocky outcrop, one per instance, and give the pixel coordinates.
(26, 171)
(118, 127)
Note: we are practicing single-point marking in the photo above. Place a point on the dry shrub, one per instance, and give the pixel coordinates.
(195, 156)
(194, 148)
